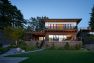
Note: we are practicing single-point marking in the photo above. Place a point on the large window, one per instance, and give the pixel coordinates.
(41, 38)
(59, 38)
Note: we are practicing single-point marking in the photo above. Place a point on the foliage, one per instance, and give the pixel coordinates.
(2, 50)
(12, 46)
(1, 45)
(42, 44)
(91, 37)
(10, 15)
(14, 34)
(91, 23)
(25, 47)
(17, 34)
(67, 46)
(36, 24)
(78, 46)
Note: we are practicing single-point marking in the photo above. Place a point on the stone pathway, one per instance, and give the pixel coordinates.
(10, 52)
(14, 59)
(14, 51)
(11, 59)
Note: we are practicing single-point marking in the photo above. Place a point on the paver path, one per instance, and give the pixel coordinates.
(11, 59)
(10, 52)
(14, 59)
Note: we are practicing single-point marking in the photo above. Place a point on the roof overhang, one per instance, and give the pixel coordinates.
(64, 20)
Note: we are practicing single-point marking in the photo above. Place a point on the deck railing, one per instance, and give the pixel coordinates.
(61, 28)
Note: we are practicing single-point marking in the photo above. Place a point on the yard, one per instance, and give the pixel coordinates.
(59, 56)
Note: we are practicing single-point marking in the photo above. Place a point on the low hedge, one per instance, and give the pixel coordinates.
(3, 50)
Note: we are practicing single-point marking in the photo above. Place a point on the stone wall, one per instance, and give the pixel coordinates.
(62, 44)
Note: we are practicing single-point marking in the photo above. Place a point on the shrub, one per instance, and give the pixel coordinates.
(78, 46)
(67, 46)
(12, 46)
(60, 48)
(1, 45)
(2, 50)
(51, 48)
(26, 47)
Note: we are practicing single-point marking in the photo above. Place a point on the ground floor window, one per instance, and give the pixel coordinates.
(41, 38)
(59, 37)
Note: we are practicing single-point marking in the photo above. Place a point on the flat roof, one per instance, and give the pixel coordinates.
(64, 20)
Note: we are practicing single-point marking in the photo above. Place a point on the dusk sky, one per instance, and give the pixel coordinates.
(56, 9)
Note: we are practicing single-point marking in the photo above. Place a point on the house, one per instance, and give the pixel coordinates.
(57, 31)
(85, 36)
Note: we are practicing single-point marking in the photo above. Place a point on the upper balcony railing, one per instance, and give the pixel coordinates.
(61, 28)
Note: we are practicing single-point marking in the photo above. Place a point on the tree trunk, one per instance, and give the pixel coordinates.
(16, 43)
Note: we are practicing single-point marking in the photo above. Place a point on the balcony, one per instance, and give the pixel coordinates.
(61, 28)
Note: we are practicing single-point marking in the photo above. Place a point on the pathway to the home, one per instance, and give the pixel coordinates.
(13, 59)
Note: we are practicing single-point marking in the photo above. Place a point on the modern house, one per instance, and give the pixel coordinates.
(57, 31)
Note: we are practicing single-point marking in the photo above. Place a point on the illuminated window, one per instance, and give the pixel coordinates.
(59, 38)
(40, 38)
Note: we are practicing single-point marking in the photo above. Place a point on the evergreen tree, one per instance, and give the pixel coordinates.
(4, 10)
(10, 15)
(91, 23)
(37, 24)
(11, 21)
(42, 23)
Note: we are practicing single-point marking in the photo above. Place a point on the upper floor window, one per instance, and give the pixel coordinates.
(50, 26)
(60, 26)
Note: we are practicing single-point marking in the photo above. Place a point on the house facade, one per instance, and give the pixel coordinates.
(57, 31)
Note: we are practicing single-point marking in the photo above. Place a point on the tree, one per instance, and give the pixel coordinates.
(42, 23)
(11, 20)
(10, 15)
(14, 34)
(37, 24)
(4, 20)
(17, 34)
(17, 18)
(91, 23)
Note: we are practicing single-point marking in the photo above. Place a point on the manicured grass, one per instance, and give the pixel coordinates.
(59, 56)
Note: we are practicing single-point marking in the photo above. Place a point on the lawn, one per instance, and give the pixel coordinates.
(59, 56)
